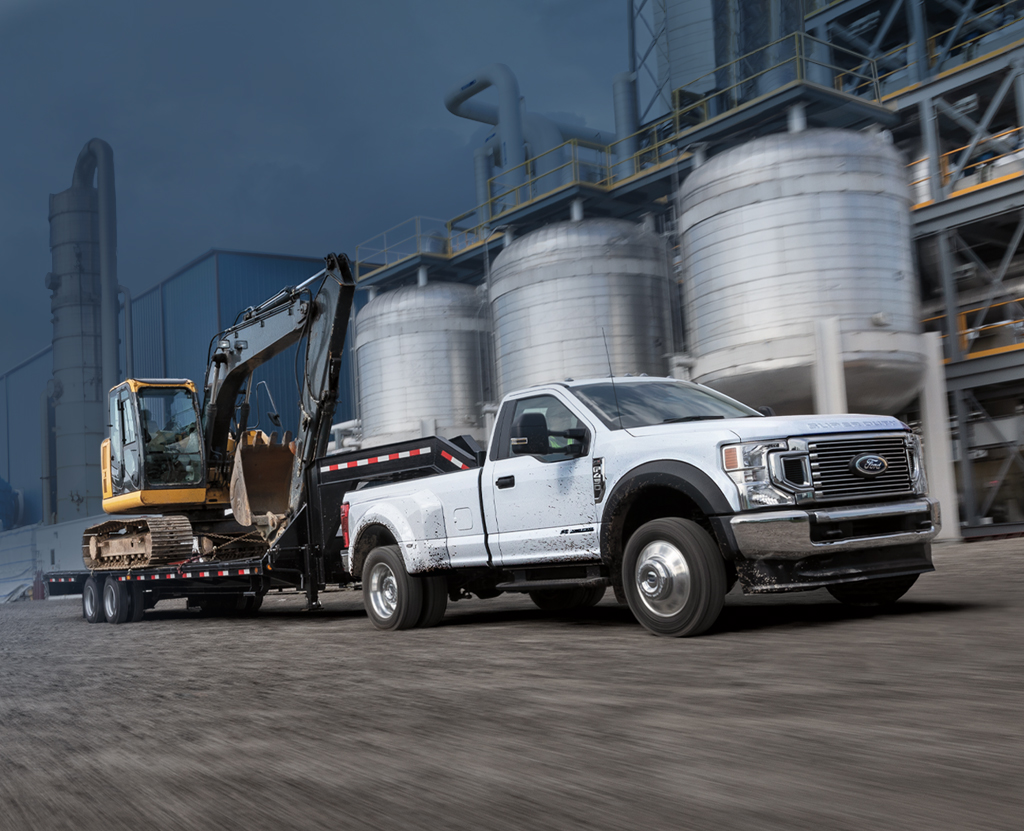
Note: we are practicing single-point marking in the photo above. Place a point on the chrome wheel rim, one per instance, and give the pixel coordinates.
(662, 579)
(108, 601)
(383, 591)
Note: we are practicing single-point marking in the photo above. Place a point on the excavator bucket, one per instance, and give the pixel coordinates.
(260, 479)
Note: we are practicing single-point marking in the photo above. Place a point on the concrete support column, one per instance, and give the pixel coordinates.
(829, 373)
(938, 440)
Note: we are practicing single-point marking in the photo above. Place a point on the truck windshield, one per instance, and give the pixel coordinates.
(640, 405)
(172, 451)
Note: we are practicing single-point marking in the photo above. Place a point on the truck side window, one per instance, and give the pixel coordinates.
(538, 429)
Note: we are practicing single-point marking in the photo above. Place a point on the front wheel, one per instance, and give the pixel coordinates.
(880, 592)
(674, 577)
(393, 598)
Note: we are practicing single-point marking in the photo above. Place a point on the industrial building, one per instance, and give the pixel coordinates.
(812, 206)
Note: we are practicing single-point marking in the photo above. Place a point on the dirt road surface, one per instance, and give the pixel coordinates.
(794, 712)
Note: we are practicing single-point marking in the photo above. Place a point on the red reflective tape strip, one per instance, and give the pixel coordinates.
(454, 461)
(223, 574)
(372, 460)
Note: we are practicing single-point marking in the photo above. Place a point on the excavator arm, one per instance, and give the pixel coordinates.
(267, 479)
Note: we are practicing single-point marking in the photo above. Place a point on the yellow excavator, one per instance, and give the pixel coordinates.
(197, 483)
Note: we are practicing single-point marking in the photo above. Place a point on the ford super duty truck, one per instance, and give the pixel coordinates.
(667, 491)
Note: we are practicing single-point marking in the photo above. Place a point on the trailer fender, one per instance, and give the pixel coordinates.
(416, 521)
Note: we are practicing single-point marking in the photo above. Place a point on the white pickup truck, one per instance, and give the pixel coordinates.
(665, 490)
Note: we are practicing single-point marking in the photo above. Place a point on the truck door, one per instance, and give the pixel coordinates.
(542, 484)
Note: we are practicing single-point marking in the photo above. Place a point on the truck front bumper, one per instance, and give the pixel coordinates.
(806, 549)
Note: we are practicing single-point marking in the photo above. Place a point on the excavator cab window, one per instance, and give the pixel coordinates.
(125, 470)
(169, 431)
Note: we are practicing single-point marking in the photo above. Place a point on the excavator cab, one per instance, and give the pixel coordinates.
(154, 456)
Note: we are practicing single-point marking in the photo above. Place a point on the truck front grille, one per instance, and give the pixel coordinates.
(833, 475)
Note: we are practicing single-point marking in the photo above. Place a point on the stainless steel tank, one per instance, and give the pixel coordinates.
(787, 229)
(423, 358)
(707, 45)
(560, 293)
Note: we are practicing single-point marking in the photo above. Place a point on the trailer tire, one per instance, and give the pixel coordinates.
(883, 591)
(435, 600)
(115, 600)
(674, 577)
(393, 598)
(136, 602)
(92, 600)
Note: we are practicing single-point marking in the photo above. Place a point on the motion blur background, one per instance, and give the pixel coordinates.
(811, 206)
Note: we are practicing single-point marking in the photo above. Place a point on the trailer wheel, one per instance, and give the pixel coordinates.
(392, 597)
(881, 592)
(115, 600)
(92, 600)
(136, 602)
(674, 577)
(435, 600)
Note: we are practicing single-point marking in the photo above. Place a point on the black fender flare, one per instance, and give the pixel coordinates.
(689, 480)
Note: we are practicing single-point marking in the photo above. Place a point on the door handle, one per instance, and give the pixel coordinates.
(505, 481)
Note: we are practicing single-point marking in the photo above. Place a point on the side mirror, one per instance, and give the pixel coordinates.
(578, 444)
(766, 411)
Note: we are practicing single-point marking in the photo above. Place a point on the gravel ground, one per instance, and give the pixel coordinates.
(794, 712)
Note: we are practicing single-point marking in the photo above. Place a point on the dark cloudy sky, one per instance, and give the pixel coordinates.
(299, 127)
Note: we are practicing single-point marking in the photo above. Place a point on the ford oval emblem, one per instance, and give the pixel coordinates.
(869, 465)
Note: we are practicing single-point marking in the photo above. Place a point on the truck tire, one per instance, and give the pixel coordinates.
(881, 592)
(392, 597)
(92, 600)
(593, 596)
(115, 600)
(674, 577)
(136, 602)
(435, 600)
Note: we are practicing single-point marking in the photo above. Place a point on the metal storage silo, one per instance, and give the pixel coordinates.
(710, 44)
(560, 293)
(787, 229)
(423, 357)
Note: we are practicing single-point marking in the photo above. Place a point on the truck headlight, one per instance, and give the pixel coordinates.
(747, 466)
(918, 478)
